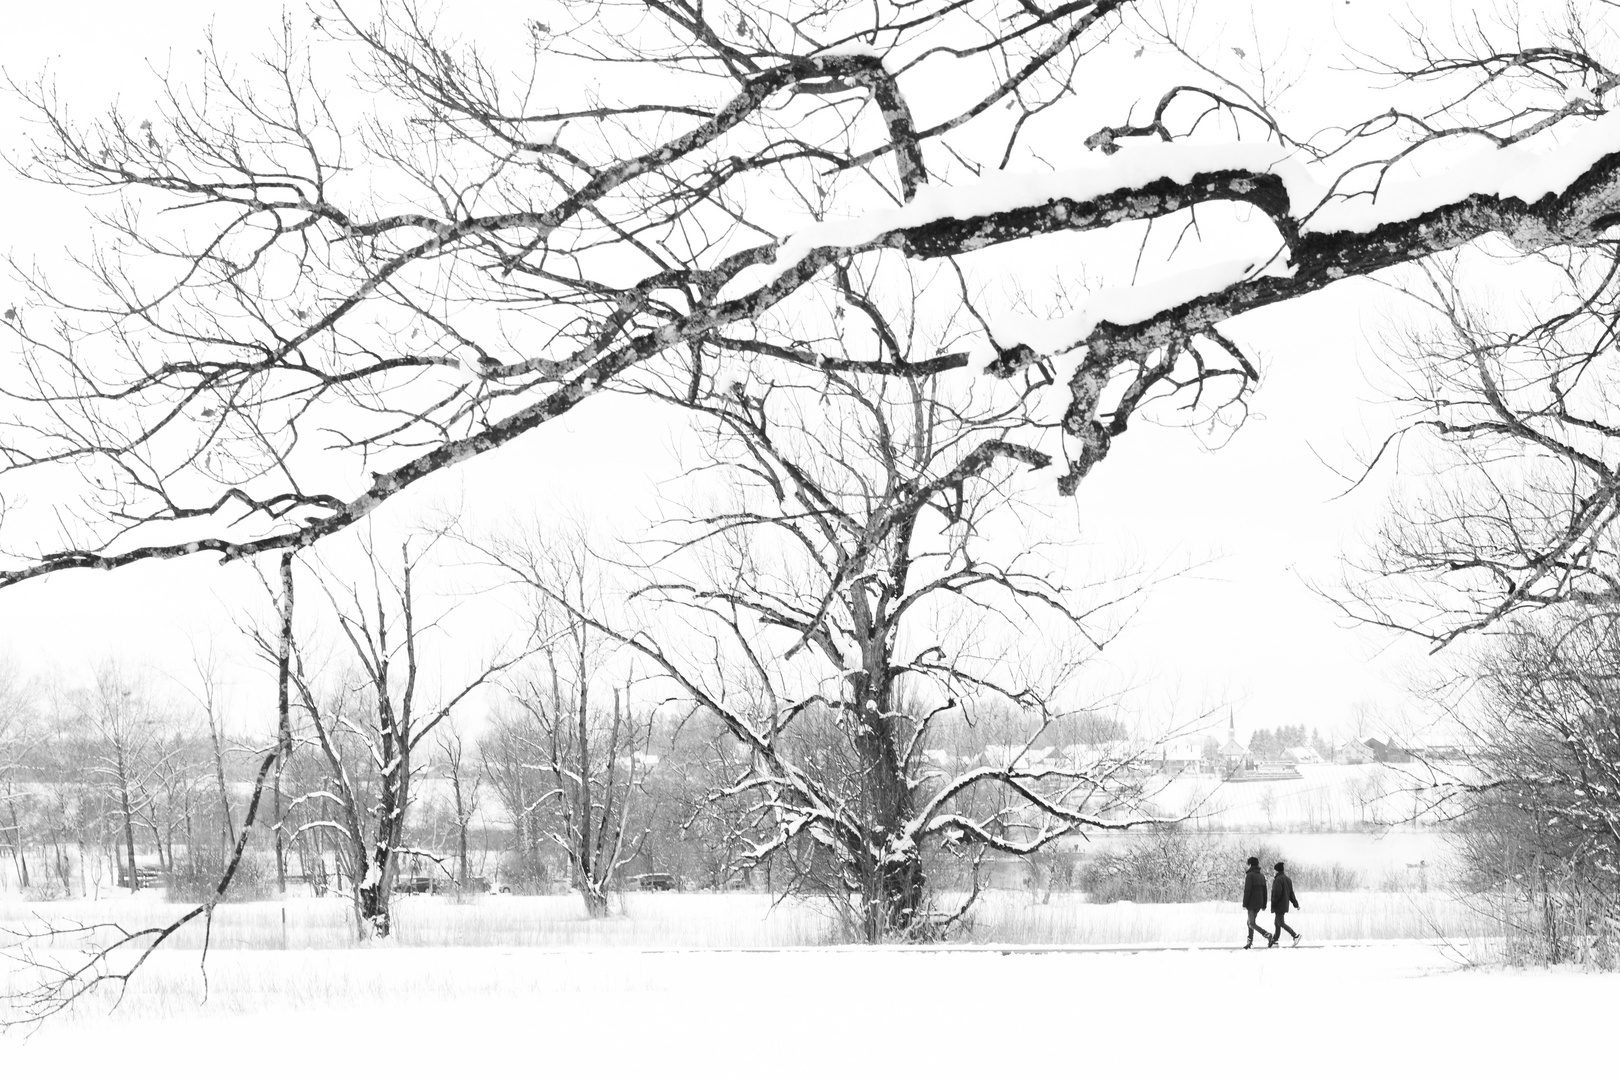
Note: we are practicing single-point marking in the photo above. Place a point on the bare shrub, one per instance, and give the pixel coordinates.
(1172, 865)
(255, 879)
(1051, 870)
(44, 888)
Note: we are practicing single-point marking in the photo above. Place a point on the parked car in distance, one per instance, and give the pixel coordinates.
(653, 882)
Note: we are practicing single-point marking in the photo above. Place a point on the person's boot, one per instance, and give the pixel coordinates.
(1296, 939)
(1272, 944)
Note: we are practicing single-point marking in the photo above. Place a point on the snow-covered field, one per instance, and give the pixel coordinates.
(1390, 1009)
(1323, 798)
(731, 985)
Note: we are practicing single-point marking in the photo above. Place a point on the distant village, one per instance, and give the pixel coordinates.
(1271, 754)
(1270, 757)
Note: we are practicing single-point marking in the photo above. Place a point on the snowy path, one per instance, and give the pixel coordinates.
(1208, 1012)
(1041, 950)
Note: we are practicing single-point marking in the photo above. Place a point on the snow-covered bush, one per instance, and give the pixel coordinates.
(1538, 830)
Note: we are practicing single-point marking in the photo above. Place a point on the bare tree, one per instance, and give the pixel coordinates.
(504, 763)
(20, 743)
(1511, 450)
(206, 695)
(464, 796)
(692, 831)
(117, 717)
(1539, 814)
(589, 760)
(452, 257)
(846, 598)
(1513, 442)
(368, 724)
(172, 800)
(71, 818)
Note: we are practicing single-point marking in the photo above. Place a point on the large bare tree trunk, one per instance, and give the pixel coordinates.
(376, 920)
(888, 865)
(373, 891)
(596, 901)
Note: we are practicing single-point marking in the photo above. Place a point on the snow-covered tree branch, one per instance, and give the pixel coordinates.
(304, 301)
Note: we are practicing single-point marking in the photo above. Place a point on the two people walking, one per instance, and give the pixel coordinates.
(1254, 902)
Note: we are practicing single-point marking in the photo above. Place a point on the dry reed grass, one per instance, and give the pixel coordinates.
(751, 920)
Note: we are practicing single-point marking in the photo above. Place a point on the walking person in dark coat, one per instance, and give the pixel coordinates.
(1282, 894)
(1254, 900)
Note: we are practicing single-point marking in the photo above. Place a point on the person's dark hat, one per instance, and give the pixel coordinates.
(1278, 868)
(1254, 860)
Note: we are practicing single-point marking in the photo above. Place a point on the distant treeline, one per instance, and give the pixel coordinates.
(1272, 742)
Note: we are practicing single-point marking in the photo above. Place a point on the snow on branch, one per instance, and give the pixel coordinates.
(622, 248)
(1303, 198)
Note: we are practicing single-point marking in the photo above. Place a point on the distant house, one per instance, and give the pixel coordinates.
(1351, 752)
(1189, 755)
(1388, 753)
(1099, 750)
(1003, 755)
(1302, 755)
(1440, 752)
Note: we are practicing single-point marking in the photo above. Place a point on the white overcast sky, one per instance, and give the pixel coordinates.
(1261, 515)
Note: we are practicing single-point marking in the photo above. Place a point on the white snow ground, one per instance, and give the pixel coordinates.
(1379, 1009)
